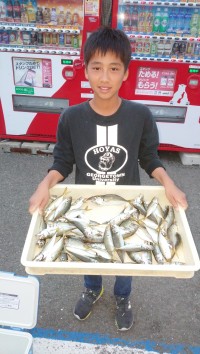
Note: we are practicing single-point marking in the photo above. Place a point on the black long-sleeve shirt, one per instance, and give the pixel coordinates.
(106, 149)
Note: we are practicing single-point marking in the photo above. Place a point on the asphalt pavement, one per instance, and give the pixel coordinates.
(166, 310)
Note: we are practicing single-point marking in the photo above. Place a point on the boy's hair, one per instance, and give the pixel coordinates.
(107, 39)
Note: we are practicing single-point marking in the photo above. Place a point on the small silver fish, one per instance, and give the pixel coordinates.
(106, 199)
(142, 257)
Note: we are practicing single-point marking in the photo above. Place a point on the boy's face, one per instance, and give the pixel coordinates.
(105, 74)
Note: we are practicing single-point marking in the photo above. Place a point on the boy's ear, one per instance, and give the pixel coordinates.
(85, 71)
(126, 75)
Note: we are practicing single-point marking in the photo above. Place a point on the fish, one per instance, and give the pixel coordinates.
(174, 236)
(139, 205)
(55, 251)
(108, 240)
(54, 204)
(158, 254)
(143, 234)
(63, 207)
(47, 248)
(117, 220)
(149, 223)
(118, 240)
(152, 206)
(105, 199)
(136, 247)
(165, 245)
(169, 219)
(142, 257)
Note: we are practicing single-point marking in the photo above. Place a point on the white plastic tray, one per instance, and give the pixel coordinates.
(187, 252)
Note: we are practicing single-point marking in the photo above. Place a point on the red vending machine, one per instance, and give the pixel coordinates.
(41, 63)
(165, 66)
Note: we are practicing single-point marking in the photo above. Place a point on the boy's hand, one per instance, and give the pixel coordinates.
(176, 196)
(39, 199)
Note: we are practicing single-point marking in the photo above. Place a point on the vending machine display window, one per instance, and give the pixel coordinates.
(168, 114)
(155, 81)
(39, 104)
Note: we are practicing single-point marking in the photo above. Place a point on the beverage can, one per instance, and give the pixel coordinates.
(61, 39)
(33, 39)
(47, 38)
(68, 40)
(5, 37)
(26, 38)
(154, 47)
(12, 37)
(75, 42)
(54, 39)
(40, 38)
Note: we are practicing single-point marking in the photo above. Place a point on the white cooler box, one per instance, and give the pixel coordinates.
(18, 310)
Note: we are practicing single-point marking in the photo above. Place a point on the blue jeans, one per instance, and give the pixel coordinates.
(122, 285)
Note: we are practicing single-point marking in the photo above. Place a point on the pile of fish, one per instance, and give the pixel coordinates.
(142, 232)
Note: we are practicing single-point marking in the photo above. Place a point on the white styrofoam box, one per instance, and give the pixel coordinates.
(189, 158)
(18, 310)
(186, 253)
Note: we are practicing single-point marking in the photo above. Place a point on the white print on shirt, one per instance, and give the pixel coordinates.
(106, 158)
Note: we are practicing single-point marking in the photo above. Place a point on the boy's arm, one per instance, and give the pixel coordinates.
(173, 193)
(41, 196)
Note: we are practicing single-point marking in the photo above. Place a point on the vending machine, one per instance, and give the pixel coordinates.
(41, 63)
(42, 68)
(164, 72)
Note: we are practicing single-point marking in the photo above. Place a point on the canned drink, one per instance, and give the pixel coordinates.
(47, 38)
(190, 48)
(68, 40)
(146, 46)
(33, 39)
(61, 39)
(133, 46)
(54, 38)
(26, 38)
(139, 46)
(75, 41)
(5, 38)
(40, 38)
(12, 37)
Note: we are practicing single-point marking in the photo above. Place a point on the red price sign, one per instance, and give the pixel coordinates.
(158, 82)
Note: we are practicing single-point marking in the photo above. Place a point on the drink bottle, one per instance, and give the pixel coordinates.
(141, 20)
(24, 13)
(17, 11)
(149, 20)
(68, 18)
(164, 21)
(31, 12)
(9, 11)
(157, 21)
(194, 23)
(53, 16)
(171, 22)
(2, 11)
(187, 20)
(180, 22)
(134, 19)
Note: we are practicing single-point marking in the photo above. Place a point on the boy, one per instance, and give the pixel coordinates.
(105, 137)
